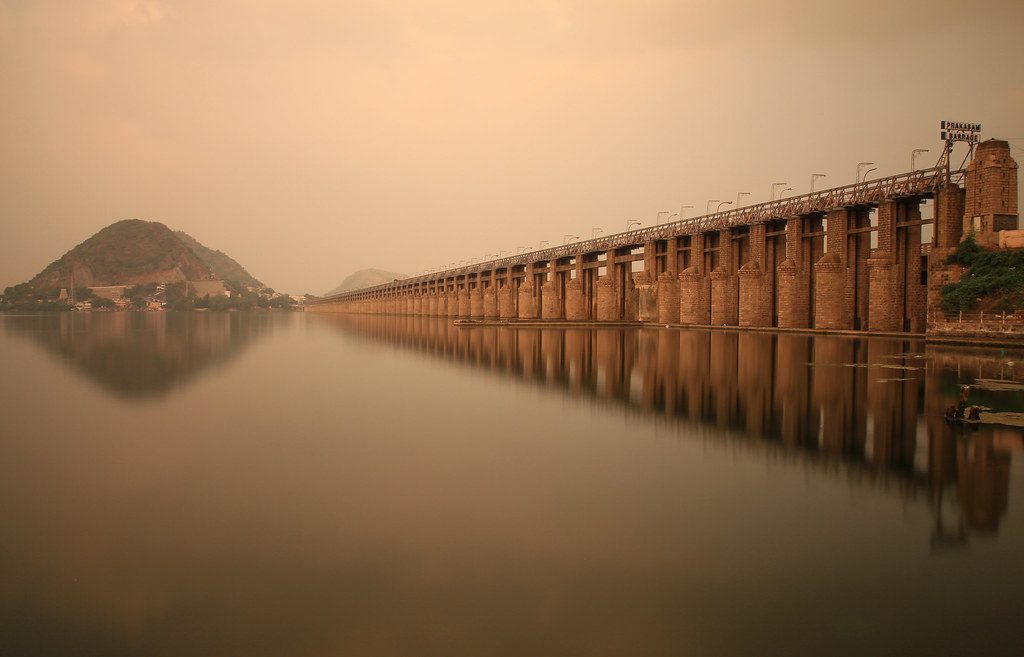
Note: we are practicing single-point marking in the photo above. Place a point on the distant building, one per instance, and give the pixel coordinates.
(213, 288)
(112, 292)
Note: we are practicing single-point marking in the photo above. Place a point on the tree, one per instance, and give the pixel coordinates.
(282, 301)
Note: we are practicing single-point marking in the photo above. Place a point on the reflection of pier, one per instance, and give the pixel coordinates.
(870, 410)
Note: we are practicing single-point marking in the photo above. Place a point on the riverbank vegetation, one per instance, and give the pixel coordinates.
(148, 296)
(993, 281)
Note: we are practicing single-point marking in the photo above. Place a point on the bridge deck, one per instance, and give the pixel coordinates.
(922, 183)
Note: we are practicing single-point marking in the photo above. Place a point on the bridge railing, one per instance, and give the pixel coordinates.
(870, 192)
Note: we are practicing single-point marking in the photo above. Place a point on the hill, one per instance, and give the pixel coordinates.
(365, 278)
(127, 252)
(221, 264)
(136, 252)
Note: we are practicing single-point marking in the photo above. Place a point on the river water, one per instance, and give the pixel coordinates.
(298, 484)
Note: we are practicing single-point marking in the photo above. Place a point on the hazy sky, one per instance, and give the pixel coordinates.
(312, 138)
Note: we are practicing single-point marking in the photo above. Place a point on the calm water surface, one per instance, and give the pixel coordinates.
(288, 484)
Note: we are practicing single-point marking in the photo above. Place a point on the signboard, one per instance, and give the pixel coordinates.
(957, 131)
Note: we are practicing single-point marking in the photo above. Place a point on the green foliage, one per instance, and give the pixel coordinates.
(218, 303)
(997, 276)
(965, 253)
(180, 302)
(174, 292)
(283, 301)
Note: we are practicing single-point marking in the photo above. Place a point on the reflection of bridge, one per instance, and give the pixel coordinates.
(844, 258)
(864, 409)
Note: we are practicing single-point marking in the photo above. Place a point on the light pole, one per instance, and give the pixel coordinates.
(861, 165)
(630, 222)
(543, 243)
(521, 249)
(681, 209)
(707, 210)
(568, 238)
(776, 186)
(913, 156)
(788, 189)
(720, 204)
(740, 195)
(813, 177)
(869, 171)
(669, 220)
(594, 231)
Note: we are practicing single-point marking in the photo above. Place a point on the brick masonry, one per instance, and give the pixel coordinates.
(806, 271)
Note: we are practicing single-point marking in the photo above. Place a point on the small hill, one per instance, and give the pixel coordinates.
(127, 252)
(365, 278)
(221, 264)
(136, 252)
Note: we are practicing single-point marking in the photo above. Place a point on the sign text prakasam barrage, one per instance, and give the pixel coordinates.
(959, 131)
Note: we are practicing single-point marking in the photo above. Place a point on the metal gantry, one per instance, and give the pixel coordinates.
(920, 183)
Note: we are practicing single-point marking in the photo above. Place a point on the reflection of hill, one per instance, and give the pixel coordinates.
(869, 408)
(140, 355)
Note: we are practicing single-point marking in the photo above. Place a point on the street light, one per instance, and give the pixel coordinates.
(681, 211)
(861, 165)
(869, 171)
(543, 243)
(657, 222)
(721, 204)
(568, 238)
(594, 231)
(521, 249)
(707, 210)
(669, 220)
(813, 176)
(913, 156)
(740, 195)
(788, 189)
(630, 222)
(776, 186)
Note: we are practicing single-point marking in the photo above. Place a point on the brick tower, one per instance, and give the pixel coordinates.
(991, 192)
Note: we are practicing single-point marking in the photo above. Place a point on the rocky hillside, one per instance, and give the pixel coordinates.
(221, 264)
(134, 252)
(365, 278)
